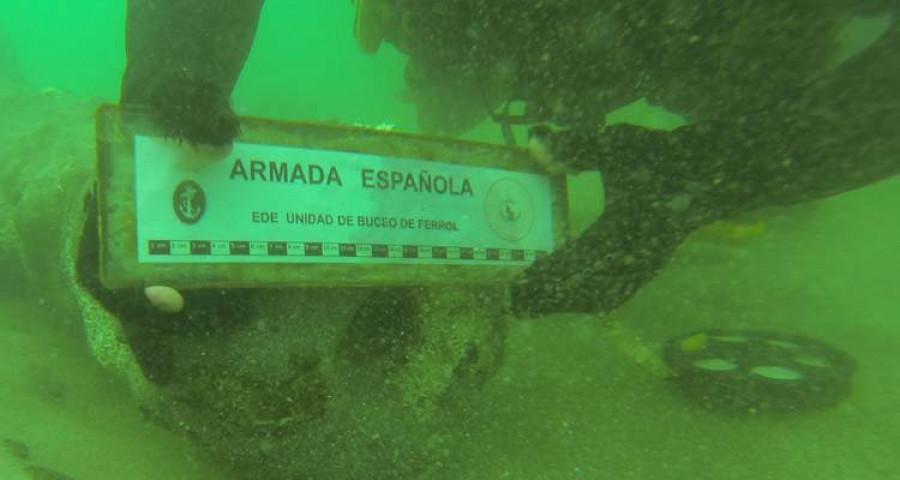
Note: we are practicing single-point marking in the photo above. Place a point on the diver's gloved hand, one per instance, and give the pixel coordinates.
(645, 218)
(194, 110)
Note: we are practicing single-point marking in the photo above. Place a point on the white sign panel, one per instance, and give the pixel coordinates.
(267, 203)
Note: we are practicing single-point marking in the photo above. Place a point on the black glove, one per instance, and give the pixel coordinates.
(183, 61)
(194, 110)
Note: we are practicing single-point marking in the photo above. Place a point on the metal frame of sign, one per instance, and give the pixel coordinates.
(118, 129)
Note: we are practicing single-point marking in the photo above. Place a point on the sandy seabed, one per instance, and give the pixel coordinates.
(571, 401)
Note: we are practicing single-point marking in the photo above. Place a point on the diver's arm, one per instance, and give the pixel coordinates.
(184, 57)
(841, 133)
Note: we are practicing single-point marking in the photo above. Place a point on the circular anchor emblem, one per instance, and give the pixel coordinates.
(189, 202)
(509, 209)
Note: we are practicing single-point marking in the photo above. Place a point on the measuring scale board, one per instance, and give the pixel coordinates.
(309, 204)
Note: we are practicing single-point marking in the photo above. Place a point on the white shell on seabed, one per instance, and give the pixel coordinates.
(165, 299)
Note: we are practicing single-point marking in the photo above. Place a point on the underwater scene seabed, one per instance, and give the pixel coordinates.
(718, 180)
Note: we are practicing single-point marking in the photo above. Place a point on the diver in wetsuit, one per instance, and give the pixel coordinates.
(772, 122)
(775, 118)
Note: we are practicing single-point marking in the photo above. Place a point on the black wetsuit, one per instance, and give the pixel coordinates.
(840, 133)
(809, 141)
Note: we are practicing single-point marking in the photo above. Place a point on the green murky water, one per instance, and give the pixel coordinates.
(577, 396)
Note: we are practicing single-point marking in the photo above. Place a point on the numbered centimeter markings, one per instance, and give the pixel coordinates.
(324, 249)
